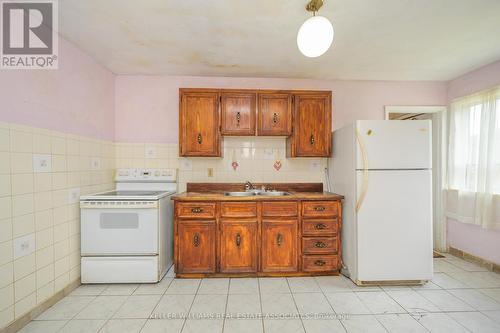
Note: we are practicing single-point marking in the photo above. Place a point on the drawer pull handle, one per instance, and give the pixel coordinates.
(311, 139)
(275, 118)
(320, 226)
(319, 208)
(279, 239)
(196, 240)
(238, 118)
(238, 240)
(199, 138)
(320, 245)
(320, 263)
(197, 210)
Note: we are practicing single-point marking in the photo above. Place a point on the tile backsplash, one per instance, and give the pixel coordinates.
(43, 173)
(258, 159)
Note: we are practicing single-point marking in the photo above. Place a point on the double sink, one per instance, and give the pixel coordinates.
(250, 193)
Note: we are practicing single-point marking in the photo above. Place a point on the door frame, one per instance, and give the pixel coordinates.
(439, 167)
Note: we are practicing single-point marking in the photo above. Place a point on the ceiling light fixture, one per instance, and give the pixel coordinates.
(315, 35)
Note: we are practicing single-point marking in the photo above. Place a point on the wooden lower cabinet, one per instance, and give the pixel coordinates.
(238, 246)
(196, 247)
(279, 246)
(270, 238)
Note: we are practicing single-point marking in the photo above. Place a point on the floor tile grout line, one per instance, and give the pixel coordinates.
(190, 307)
(225, 308)
(296, 307)
(261, 307)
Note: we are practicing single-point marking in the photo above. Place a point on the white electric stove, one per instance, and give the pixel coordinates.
(127, 233)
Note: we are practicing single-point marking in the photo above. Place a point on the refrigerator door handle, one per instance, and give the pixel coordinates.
(364, 184)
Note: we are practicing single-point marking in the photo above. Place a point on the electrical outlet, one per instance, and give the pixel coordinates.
(210, 172)
(150, 152)
(186, 165)
(24, 245)
(42, 163)
(269, 154)
(95, 163)
(73, 195)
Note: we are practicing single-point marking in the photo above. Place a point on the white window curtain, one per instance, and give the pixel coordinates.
(473, 194)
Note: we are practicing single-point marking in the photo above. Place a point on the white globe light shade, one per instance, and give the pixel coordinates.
(315, 36)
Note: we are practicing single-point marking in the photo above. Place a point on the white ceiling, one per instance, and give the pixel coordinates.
(374, 39)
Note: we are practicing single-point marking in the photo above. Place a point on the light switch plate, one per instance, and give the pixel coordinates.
(150, 152)
(315, 165)
(73, 195)
(24, 246)
(186, 165)
(95, 163)
(42, 163)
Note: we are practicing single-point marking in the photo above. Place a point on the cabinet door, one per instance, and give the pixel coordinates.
(238, 113)
(196, 247)
(312, 126)
(279, 246)
(238, 247)
(199, 123)
(274, 114)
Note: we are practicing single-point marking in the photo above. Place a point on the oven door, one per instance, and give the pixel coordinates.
(119, 231)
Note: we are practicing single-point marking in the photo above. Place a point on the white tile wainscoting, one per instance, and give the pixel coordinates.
(42, 174)
(463, 297)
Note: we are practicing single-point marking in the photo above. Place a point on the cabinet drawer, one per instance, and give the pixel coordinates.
(278, 209)
(315, 245)
(320, 263)
(195, 209)
(319, 208)
(238, 209)
(319, 227)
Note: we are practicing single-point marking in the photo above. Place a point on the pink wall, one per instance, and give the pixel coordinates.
(471, 238)
(147, 106)
(77, 98)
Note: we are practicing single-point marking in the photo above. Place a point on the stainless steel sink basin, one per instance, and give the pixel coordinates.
(256, 192)
(239, 194)
(274, 193)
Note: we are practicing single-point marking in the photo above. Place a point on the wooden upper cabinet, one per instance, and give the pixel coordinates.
(238, 113)
(312, 125)
(274, 115)
(199, 123)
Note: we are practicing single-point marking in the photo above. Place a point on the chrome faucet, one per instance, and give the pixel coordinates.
(248, 186)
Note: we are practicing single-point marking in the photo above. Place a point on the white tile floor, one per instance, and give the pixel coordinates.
(462, 297)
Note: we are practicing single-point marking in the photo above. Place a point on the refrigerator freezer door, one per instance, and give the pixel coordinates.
(395, 225)
(394, 144)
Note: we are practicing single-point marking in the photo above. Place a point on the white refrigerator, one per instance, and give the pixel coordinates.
(384, 170)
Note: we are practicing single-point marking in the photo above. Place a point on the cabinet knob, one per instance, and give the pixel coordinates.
(311, 139)
(320, 226)
(320, 263)
(197, 210)
(319, 208)
(279, 239)
(238, 240)
(196, 240)
(320, 245)
(275, 118)
(238, 118)
(199, 138)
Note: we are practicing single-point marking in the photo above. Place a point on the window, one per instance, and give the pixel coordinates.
(474, 158)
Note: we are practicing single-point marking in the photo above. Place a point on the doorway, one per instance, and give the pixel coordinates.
(437, 115)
